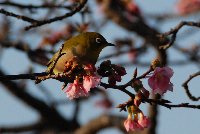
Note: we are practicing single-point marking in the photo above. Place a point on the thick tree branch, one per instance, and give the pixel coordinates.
(17, 129)
(48, 114)
(37, 55)
(102, 122)
(113, 12)
(148, 33)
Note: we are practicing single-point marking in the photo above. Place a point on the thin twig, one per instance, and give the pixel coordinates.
(123, 87)
(24, 18)
(174, 32)
(185, 85)
(163, 103)
(36, 23)
(75, 10)
(24, 128)
(7, 3)
(57, 58)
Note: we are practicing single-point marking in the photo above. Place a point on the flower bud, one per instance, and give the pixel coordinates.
(156, 63)
(120, 70)
(145, 92)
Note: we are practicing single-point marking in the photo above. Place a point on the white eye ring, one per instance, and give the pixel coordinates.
(98, 40)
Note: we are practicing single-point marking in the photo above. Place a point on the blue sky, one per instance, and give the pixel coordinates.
(176, 120)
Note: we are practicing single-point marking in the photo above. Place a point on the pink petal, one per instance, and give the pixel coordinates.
(170, 87)
(87, 84)
(144, 122)
(96, 80)
(128, 125)
(160, 80)
(74, 90)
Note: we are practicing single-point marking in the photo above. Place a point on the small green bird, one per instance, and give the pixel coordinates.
(86, 46)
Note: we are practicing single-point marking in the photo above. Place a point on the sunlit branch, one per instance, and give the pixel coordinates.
(24, 18)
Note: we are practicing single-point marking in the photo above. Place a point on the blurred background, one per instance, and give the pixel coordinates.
(132, 26)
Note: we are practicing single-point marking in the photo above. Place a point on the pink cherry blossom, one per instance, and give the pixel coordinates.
(91, 81)
(137, 126)
(131, 125)
(89, 68)
(75, 89)
(104, 103)
(184, 7)
(144, 122)
(160, 80)
(128, 125)
(132, 55)
(132, 8)
(90, 78)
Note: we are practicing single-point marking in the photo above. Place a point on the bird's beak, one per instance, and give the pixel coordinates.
(109, 44)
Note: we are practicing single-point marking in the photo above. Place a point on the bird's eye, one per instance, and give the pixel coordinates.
(98, 40)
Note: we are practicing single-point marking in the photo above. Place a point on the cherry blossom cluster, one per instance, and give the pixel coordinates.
(136, 123)
(141, 92)
(90, 78)
(159, 82)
